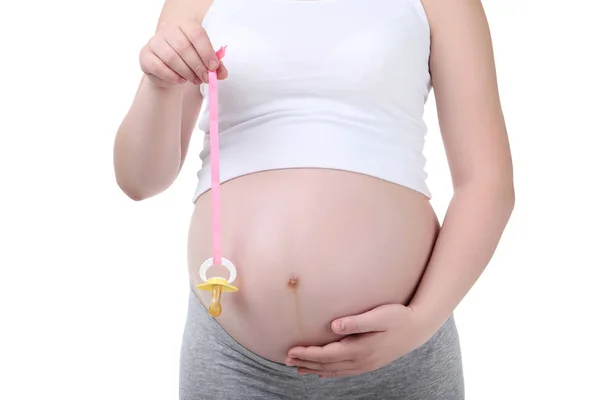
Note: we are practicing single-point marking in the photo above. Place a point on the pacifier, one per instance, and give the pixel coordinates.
(217, 285)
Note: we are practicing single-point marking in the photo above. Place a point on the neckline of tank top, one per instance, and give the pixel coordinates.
(307, 1)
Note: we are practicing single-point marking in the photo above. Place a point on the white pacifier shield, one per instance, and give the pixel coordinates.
(225, 262)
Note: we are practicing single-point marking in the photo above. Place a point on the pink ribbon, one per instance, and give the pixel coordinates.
(213, 109)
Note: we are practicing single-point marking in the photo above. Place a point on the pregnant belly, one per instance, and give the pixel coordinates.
(311, 245)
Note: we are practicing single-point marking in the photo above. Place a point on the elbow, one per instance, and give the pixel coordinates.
(139, 187)
(139, 182)
(134, 192)
(125, 182)
(497, 191)
(136, 196)
(510, 197)
(505, 203)
(504, 189)
(502, 195)
(134, 183)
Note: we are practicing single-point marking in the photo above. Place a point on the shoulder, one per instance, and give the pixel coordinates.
(461, 44)
(455, 17)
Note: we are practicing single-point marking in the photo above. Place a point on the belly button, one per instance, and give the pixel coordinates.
(293, 282)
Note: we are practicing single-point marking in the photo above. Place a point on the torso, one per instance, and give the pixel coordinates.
(311, 246)
(324, 208)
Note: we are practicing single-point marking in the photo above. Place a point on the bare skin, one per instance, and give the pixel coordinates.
(151, 143)
(298, 241)
(307, 249)
(476, 141)
(311, 246)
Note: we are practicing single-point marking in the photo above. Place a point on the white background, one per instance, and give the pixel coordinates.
(93, 286)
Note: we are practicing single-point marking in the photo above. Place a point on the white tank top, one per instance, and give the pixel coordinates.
(338, 84)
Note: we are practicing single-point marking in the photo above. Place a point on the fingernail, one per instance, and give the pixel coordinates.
(205, 77)
(339, 326)
(181, 80)
(197, 81)
(212, 64)
(294, 355)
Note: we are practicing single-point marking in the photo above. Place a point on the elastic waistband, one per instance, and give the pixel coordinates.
(213, 331)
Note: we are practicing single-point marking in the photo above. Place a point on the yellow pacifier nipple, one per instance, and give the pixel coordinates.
(217, 285)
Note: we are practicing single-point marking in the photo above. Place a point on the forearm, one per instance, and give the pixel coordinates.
(147, 151)
(471, 231)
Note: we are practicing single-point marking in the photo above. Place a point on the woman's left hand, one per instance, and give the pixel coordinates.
(377, 338)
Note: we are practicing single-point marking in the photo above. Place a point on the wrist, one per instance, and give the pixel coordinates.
(164, 89)
(427, 318)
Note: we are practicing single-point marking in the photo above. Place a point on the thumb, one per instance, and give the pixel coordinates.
(378, 319)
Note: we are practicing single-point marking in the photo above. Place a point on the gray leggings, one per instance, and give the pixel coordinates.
(214, 366)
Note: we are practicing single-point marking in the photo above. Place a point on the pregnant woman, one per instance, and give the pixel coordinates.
(347, 282)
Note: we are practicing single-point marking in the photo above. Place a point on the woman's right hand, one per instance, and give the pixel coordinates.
(180, 53)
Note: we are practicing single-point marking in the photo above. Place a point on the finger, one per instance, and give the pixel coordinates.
(302, 364)
(330, 374)
(222, 72)
(158, 71)
(375, 320)
(333, 352)
(169, 56)
(201, 42)
(185, 49)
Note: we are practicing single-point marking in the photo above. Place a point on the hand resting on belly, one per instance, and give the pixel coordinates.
(311, 246)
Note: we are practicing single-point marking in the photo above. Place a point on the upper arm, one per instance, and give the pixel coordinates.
(176, 11)
(466, 93)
